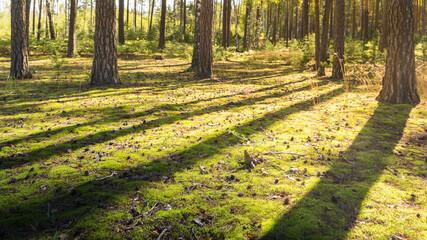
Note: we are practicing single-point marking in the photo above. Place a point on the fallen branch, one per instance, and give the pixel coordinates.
(347, 161)
(93, 180)
(162, 233)
(276, 167)
(290, 153)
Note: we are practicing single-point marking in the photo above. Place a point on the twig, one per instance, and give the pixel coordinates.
(373, 199)
(318, 152)
(162, 233)
(93, 180)
(290, 153)
(275, 166)
(347, 161)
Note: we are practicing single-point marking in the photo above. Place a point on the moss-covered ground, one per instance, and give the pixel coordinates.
(163, 153)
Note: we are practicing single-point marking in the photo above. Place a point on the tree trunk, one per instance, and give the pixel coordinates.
(259, 24)
(127, 12)
(275, 23)
(317, 32)
(19, 67)
(325, 38)
(151, 18)
(331, 20)
(385, 28)
(296, 19)
(204, 70)
(286, 33)
(91, 14)
(353, 25)
(27, 19)
(338, 64)
(49, 15)
(399, 82)
(196, 46)
(424, 19)
(305, 7)
(162, 26)
(236, 24)
(291, 20)
(184, 19)
(72, 32)
(121, 22)
(247, 20)
(174, 21)
(365, 20)
(34, 16)
(39, 25)
(377, 15)
(134, 16)
(225, 30)
(104, 68)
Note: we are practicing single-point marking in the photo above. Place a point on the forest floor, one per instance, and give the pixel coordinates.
(162, 155)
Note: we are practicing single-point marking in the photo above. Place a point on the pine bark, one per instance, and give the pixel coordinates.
(247, 29)
(162, 43)
(39, 25)
(317, 32)
(204, 70)
(338, 64)
(196, 45)
(121, 22)
(104, 68)
(49, 15)
(19, 67)
(72, 31)
(399, 82)
(305, 7)
(325, 38)
(385, 28)
(225, 20)
(258, 25)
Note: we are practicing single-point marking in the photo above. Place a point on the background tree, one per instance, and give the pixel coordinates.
(72, 32)
(104, 68)
(317, 32)
(196, 45)
(246, 35)
(162, 26)
(19, 67)
(121, 22)
(39, 25)
(27, 19)
(399, 82)
(50, 19)
(204, 70)
(338, 63)
(305, 9)
(258, 24)
(324, 45)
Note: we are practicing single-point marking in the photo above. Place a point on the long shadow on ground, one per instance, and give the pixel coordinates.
(34, 210)
(330, 209)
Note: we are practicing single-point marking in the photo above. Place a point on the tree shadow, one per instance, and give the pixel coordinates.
(104, 136)
(330, 209)
(29, 211)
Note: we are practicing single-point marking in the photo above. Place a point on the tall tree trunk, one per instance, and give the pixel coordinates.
(174, 21)
(219, 18)
(39, 25)
(134, 16)
(259, 24)
(236, 24)
(247, 30)
(84, 15)
(399, 82)
(91, 15)
(27, 19)
(384, 29)
(377, 15)
(19, 67)
(127, 12)
(196, 45)
(225, 30)
(121, 22)
(331, 20)
(424, 18)
(296, 19)
(206, 57)
(162, 25)
(184, 19)
(305, 8)
(353, 25)
(275, 18)
(291, 20)
(325, 38)
(72, 32)
(104, 68)
(287, 24)
(365, 20)
(151, 17)
(338, 65)
(317, 32)
(34, 16)
(49, 15)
